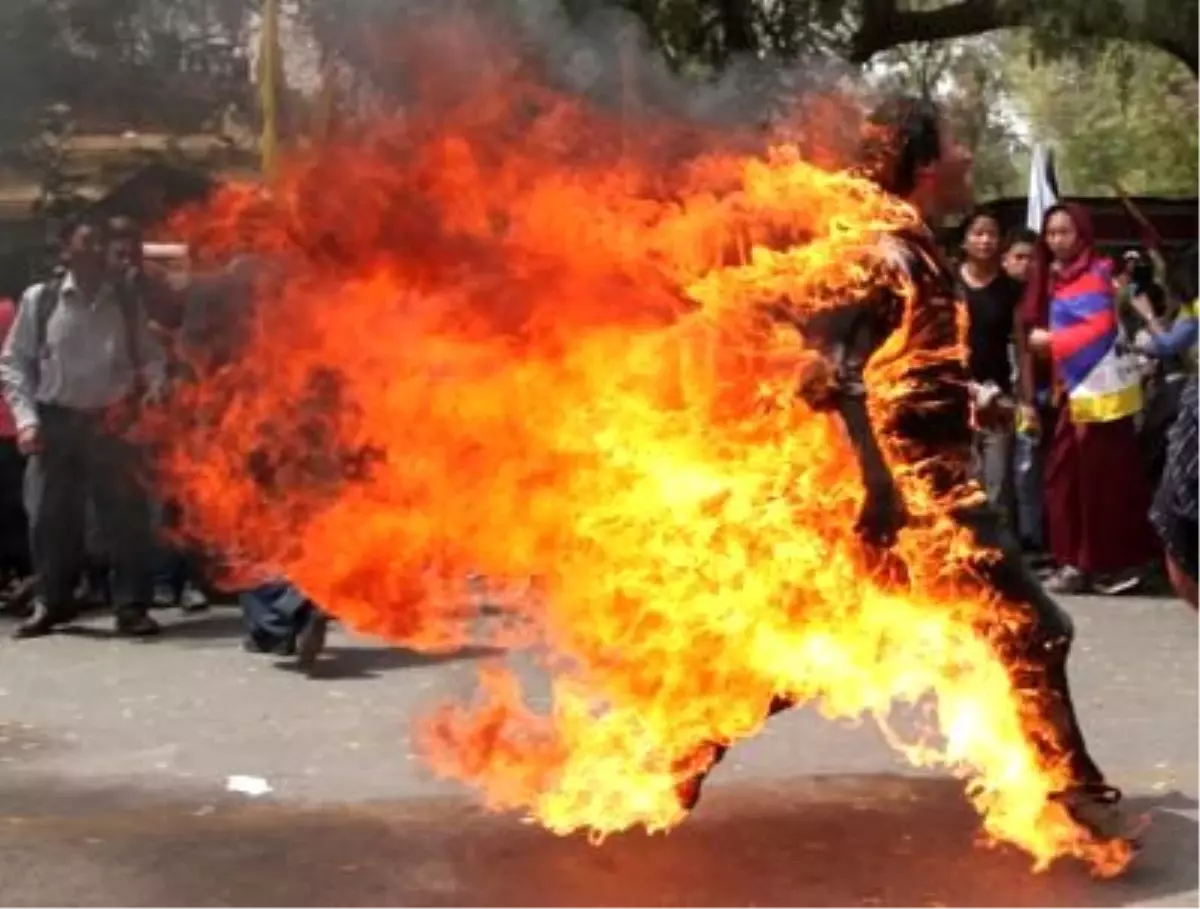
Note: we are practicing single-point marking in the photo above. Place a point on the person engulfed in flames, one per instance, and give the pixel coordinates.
(924, 432)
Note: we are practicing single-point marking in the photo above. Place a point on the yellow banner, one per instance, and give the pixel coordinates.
(269, 70)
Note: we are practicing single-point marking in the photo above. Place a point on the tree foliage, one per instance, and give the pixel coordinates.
(861, 29)
(1127, 115)
(173, 64)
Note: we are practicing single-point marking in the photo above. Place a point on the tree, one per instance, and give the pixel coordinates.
(1127, 115)
(861, 29)
(170, 64)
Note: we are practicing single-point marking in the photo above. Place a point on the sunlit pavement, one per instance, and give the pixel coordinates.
(115, 755)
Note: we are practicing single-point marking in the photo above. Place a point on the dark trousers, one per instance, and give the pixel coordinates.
(1037, 651)
(80, 461)
(14, 525)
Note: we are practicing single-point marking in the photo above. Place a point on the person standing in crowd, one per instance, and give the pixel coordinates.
(991, 297)
(1097, 496)
(1176, 511)
(1174, 514)
(176, 570)
(1018, 254)
(1034, 411)
(15, 567)
(1176, 340)
(75, 367)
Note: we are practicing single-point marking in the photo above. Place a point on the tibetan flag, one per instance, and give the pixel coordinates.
(1102, 383)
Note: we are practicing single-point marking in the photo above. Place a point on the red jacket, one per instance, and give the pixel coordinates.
(8, 315)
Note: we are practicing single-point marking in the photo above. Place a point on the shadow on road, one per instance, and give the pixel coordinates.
(867, 840)
(348, 662)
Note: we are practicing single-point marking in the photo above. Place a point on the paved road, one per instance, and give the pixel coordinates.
(114, 757)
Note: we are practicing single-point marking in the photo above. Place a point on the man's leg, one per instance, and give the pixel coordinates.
(55, 498)
(1043, 643)
(1038, 652)
(123, 518)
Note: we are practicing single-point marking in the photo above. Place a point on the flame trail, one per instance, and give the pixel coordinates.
(547, 337)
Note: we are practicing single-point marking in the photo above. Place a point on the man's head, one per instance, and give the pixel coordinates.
(1018, 254)
(124, 247)
(83, 244)
(913, 155)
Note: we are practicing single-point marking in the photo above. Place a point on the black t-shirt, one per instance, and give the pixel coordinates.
(990, 311)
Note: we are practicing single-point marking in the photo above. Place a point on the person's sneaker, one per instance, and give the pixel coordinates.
(136, 623)
(42, 621)
(192, 599)
(1068, 580)
(310, 641)
(1117, 584)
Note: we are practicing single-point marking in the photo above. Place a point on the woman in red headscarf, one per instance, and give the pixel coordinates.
(1097, 497)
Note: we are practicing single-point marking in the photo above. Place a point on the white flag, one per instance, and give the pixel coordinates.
(1043, 187)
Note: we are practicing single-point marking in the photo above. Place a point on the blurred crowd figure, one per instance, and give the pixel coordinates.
(1084, 384)
(85, 351)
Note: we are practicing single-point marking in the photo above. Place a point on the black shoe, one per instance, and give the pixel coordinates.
(1096, 809)
(310, 642)
(19, 598)
(136, 623)
(689, 790)
(41, 622)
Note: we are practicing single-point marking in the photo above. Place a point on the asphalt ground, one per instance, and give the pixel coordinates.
(115, 757)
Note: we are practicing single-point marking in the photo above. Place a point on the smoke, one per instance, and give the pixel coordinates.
(604, 55)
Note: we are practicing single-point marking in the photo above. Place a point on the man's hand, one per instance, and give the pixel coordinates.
(29, 440)
(1028, 421)
(1039, 342)
(882, 514)
(816, 383)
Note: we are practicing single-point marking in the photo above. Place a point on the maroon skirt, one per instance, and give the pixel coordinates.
(1097, 497)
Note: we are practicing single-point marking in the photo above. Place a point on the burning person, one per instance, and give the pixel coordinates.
(926, 432)
(706, 541)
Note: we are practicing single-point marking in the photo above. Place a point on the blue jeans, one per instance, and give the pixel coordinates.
(1029, 455)
(273, 613)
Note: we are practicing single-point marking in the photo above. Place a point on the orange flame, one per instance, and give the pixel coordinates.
(551, 335)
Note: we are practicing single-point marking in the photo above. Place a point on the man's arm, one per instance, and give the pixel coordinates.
(19, 362)
(882, 513)
(1177, 339)
(847, 342)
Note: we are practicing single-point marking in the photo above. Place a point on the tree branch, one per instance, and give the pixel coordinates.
(885, 25)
